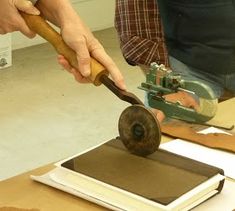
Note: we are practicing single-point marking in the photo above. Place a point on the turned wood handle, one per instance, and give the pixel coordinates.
(41, 27)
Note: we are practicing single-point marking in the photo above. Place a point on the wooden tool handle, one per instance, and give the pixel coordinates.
(41, 27)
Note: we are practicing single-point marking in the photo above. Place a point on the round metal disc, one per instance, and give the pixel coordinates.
(139, 130)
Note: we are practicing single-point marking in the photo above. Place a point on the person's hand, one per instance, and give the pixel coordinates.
(82, 41)
(11, 19)
(181, 97)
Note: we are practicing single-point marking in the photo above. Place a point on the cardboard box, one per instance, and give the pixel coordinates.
(5, 51)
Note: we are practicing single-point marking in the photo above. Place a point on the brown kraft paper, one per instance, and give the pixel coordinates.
(213, 140)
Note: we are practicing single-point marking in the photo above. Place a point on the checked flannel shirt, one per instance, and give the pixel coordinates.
(140, 32)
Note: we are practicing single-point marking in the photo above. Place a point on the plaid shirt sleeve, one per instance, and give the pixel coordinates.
(140, 32)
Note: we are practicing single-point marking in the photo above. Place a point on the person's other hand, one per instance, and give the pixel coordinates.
(11, 19)
(83, 42)
(183, 98)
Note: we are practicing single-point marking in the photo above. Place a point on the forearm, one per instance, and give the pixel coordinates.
(58, 12)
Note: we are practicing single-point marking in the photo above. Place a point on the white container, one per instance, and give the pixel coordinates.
(5, 51)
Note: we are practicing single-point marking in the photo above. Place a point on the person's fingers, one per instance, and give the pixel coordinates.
(24, 29)
(83, 55)
(99, 54)
(189, 100)
(183, 98)
(27, 7)
(78, 76)
(65, 64)
(2, 31)
(86, 46)
(192, 103)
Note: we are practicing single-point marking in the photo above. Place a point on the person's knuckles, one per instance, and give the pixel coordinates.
(23, 4)
(76, 43)
(30, 35)
(11, 27)
(26, 6)
(94, 45)
(83, 61)
(3, 31)
(26, 31)
(78, 76)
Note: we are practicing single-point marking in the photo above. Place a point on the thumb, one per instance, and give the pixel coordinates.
(27, 7)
